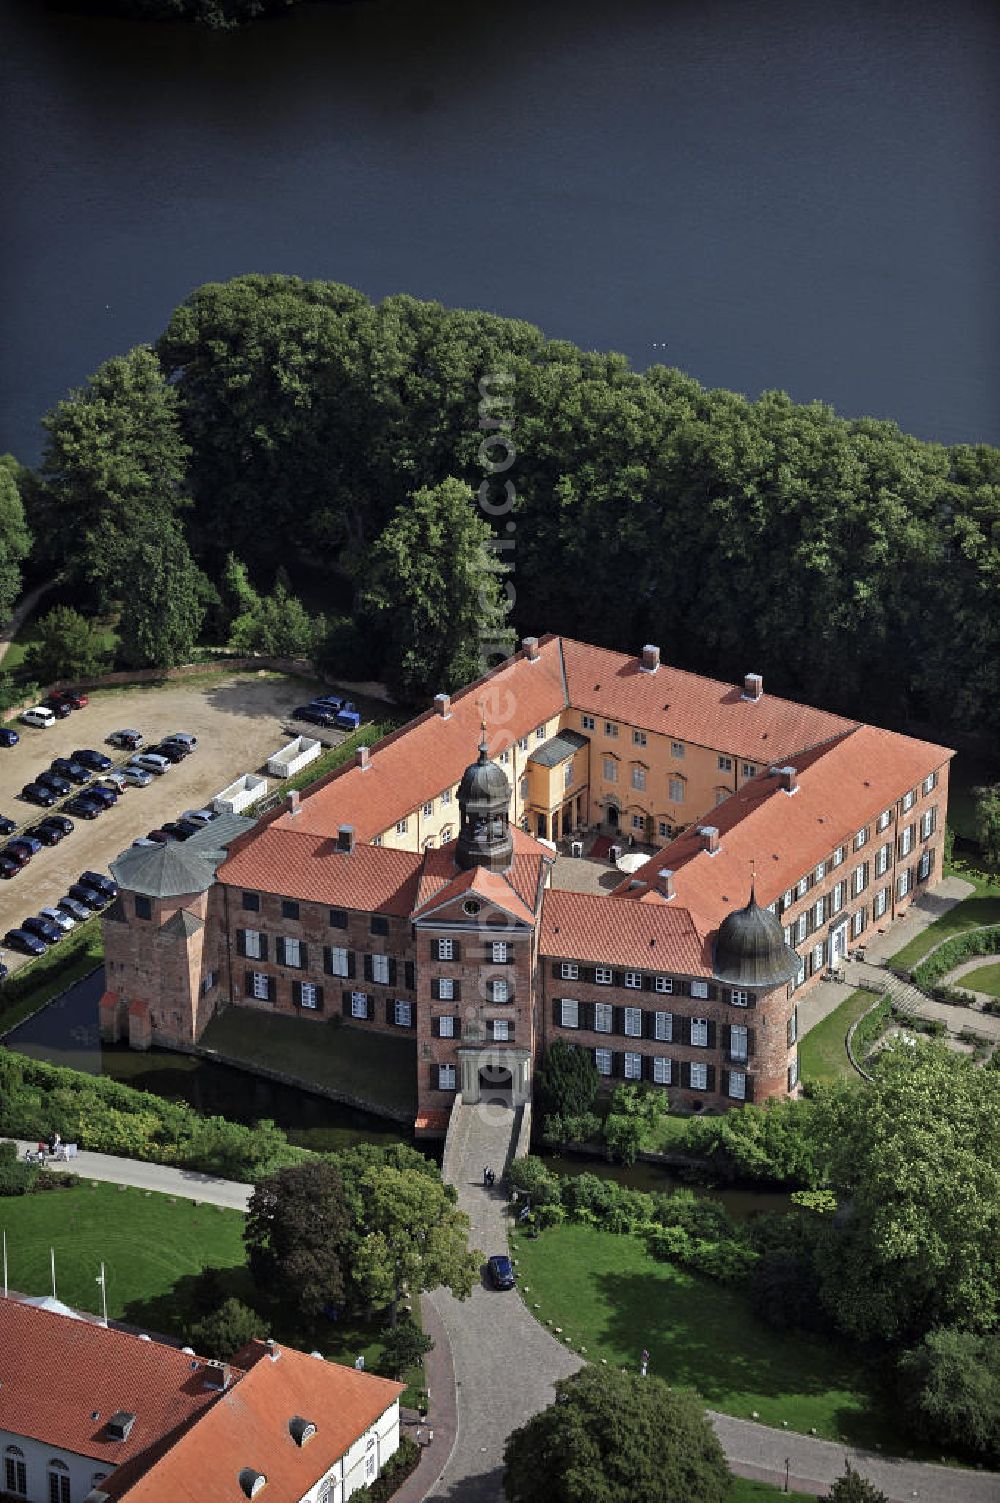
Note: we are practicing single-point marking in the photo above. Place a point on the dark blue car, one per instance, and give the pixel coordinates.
(8, 737)
(28, 944)
(501, 1271)
(95, 760)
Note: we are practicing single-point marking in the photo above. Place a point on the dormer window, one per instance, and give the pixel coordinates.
(301, 1430)
(251, 1481)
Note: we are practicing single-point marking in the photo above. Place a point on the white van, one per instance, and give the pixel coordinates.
(41, 717)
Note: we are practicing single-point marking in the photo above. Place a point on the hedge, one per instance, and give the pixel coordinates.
(37, 1099)
(953, 951)
(395, 1472)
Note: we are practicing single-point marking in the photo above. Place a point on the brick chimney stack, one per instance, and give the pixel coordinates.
(753, 686)
(362, 757)
(709, 838)
(293, 801)
(665, 883)
(650, 659)
(442, 703)
(530, 646)
(787, 779)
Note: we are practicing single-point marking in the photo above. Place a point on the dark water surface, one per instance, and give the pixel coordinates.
(789, 193)
(67, 1033)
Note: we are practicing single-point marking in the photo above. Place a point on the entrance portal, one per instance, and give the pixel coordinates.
(496, 1085)
(495, 1072)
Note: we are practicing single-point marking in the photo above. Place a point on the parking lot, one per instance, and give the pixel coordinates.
(239, 722)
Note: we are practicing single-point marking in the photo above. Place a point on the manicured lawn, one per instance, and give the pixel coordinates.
(668, 1133)
(149, 1244)
(985, 979)
(610, 1296)
(40, 980)
(979, 908)
(744, 1491)
(823, 1050)
(375, 1068)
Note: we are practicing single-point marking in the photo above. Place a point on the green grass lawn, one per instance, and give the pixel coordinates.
(985, 979)
(375, 1068)
(744, 1491)
(979, 908)
(610, 1296)
(40, 980)
(823, 1050)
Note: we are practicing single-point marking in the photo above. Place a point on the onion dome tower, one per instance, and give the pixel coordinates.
(750, 950)
(484, 838)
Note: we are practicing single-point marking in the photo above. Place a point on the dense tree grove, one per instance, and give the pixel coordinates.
(15, 539)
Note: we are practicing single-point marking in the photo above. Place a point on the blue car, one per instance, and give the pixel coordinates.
(501, 1271)
(106, 797)
(328, 702)
(95, 760)
(8, 737)
(28, 944)
(349, 717)
(42, 929)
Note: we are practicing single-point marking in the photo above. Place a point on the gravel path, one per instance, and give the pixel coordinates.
(186, 1183)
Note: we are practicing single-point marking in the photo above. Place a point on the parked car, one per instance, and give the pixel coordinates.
(90, 897)
(27, 944)
(59, 822)
(200, 816)
(106, 797)
(51, 933)
(501, 1271)
(185, 828)
(150, 762)
(158, 837)
(71, 697)
(37, 793)
(115, 779)
(137, 776)
(328, 702)
(8, 737)
(27, 843)
(315, 715)
(17, 853)
(128, 740)
(95, 760)
(75, 909)
(59, 707)
(348, 717)
(83, 807)
(6, 825)
(172, 830)
(144, 840)
(185, 740)
(40, 717)
(8, 867)
(101, 881)
(67, 767)
(56, 916)
(60, 786)
(173, 751)
(47, 834)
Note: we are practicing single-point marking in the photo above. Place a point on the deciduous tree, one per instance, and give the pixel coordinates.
(15, 537)
(296, 1233)
(162, 596)
(225, 1330)
(414, 1238)
(67, 644)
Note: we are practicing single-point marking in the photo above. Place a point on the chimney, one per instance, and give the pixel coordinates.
(293, 801)
(787, 779)
(650, 660)
(442, 703)
(665, 883)
(362, 758)
(709, 838)
(216, 1375)
(345, 839)
(530, 648)
(753, 686)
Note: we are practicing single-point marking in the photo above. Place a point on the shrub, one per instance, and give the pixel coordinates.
(851, 1487)
(960, 947)
(17, 1178)
(404, 1346)
(224, 1331)
(567, 1083)
(623, 1136)
(950, 1386)
(530, 1176)
(779, 1143)
(395, 1472)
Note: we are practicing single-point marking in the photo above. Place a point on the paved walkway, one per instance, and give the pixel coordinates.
(925, 909)
(186, 1183)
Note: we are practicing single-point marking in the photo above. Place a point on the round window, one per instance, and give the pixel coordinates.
(471, 906)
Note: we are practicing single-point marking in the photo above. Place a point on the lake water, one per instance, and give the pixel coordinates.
(67, 1033)
(789, 195)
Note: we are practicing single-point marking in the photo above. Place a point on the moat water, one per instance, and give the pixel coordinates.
(761, 192)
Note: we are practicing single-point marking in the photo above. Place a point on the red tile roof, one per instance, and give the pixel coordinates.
(841, 788)
(248, 1427)
(688, 707)
(298, 862)
(650, 935)
(492, 888)
(56, 1373)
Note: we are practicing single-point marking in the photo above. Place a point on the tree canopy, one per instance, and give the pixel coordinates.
(15, 538)
(296, 1233)
(413, 1238)
(67, 644)
(615, 1437)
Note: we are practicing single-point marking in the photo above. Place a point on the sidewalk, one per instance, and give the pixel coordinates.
(186, 1183)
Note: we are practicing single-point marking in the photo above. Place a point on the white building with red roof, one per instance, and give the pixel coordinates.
(415, 892)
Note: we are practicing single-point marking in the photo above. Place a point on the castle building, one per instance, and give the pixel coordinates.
(415, 891)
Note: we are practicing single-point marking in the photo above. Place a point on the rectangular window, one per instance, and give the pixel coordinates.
(604, 975)
(927, 824)
(251, 901)
(740, 999)
(402, 1013)
(501, 1030)
(633, 1022)
(505, 757)
(380, 969)
(602, 1059)
(882, 859)
(677, 748)
(446, 792)
(821, 871)
(143, 907)
(401, 825)
(858, 923)
(209, 981)
(639, 778)
(261, 988)
(587, 722)
(569, 1013)
(293, 953)
(903, 884)
(725, 764)
(379, 924)
(251, 943)
(309, 996)
(884, 820)
(793, 1027)
(675, 789)
(500, 950)
(522, 743)
(793, 1073)
(930, 782)
(749, 769)
(539, 733)
(663, 1027)
(633, 979)
(638, 738)
(699, 1033)
(446, 988)
(567, 776)
(338, 918)
(500, 989)
(359, 1005)
(610, 770)
(289, 908)
(908, 799)
(663, 983)
(860, 878)
(569, 970)
(801, 928)
(839, 856)
(860, 839)
(446, 949)
(802, 887)
(818, 914)
(633, 1065)
(817, 958)
(788, 899)
(663, 829)
(881, 902)
(738, 1085)
(428, 809)
(339, 964)
(446, 1078)
(839, 894)
(923, 871)
(446, 1027)
(699, 1077)
(610, 729)
(661, 1069)
(906, 841)
(604, 1016)
(699, 988)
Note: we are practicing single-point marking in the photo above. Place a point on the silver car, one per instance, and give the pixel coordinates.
(56, 916)
(138, 776)
(150, 762)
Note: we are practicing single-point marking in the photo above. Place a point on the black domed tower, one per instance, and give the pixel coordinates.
(484, 803)
(750, 950)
